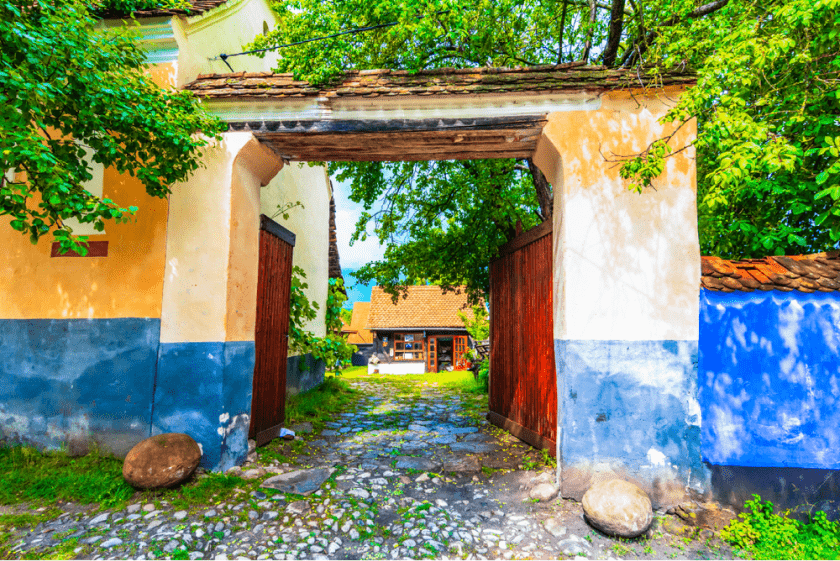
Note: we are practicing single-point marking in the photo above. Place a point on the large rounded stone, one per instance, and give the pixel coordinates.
(618, 508)
(163, 460)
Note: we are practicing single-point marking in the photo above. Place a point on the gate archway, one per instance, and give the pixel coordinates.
(626, 268)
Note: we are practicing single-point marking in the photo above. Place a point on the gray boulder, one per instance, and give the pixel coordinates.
(618, 508)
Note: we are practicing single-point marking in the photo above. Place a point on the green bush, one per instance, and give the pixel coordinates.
(483, 377)
(760, 534)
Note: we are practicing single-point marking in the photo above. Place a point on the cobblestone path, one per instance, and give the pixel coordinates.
(414, 472)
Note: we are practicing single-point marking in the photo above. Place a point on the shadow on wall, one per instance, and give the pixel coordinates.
(769, 388)
(627, 275)
(300, 381)
(804, 491)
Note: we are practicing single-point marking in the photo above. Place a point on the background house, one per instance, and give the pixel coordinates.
(357, 334)
(419, 333)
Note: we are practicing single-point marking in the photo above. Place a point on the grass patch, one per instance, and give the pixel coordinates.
(21, 521)
(208, 489)
(760, 534)
(349, 373)
(462, 380)
(64, 550)
(27, 475)
(321, 404)
(33, 477)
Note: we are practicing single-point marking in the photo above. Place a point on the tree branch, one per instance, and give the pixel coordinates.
(562, 29)
(589, 32)
(545, 196)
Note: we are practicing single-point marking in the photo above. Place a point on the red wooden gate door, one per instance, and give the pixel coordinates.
(523, 382)
(268, 403)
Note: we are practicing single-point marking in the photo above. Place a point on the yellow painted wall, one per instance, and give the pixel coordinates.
(129, 282)
(311, 226)
(126, 283)
(626, 266)
(164, 74)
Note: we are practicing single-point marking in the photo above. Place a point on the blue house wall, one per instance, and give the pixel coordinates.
(769, 391)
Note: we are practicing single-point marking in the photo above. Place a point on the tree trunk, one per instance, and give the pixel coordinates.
(614, 37)
(545, 196)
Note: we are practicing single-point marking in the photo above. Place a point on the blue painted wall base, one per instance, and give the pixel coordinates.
(629, 409)
(204, 390)
(803, 491)
(72, 382)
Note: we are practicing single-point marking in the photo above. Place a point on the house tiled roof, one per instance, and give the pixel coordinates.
(356, 332)
(570, 77)
(806, 273)
(423, 307)
(198, 7)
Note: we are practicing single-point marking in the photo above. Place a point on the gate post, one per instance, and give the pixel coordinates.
(626, 303)
(206, 358)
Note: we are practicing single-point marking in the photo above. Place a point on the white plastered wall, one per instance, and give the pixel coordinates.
(226, 29)
(209, 289)
(311, 225)
(626, 266)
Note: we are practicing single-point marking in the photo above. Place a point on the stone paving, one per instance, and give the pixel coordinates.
(416, 474)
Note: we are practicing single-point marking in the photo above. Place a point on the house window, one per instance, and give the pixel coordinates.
(95, 188)
(409, 346)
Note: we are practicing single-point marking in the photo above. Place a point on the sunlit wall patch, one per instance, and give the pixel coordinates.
(769, 378)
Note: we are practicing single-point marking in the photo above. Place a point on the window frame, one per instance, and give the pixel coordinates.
(417, 343)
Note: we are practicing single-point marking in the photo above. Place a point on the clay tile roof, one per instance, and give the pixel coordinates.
(424, 307)
(356, 332)
(569, 77)
(198, 7)
(806, 273)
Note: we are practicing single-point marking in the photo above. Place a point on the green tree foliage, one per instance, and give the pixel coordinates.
(333, 347)
(72, 93)
(478, 326)
(442, 221)
(346, 315)
(766, 105)
(767, 101)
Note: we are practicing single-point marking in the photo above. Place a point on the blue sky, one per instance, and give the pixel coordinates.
(352, 257)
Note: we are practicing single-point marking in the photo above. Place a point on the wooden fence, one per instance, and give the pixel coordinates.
(268, 404)
(523, 380)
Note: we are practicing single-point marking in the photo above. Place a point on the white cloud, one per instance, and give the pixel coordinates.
(347, 214)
